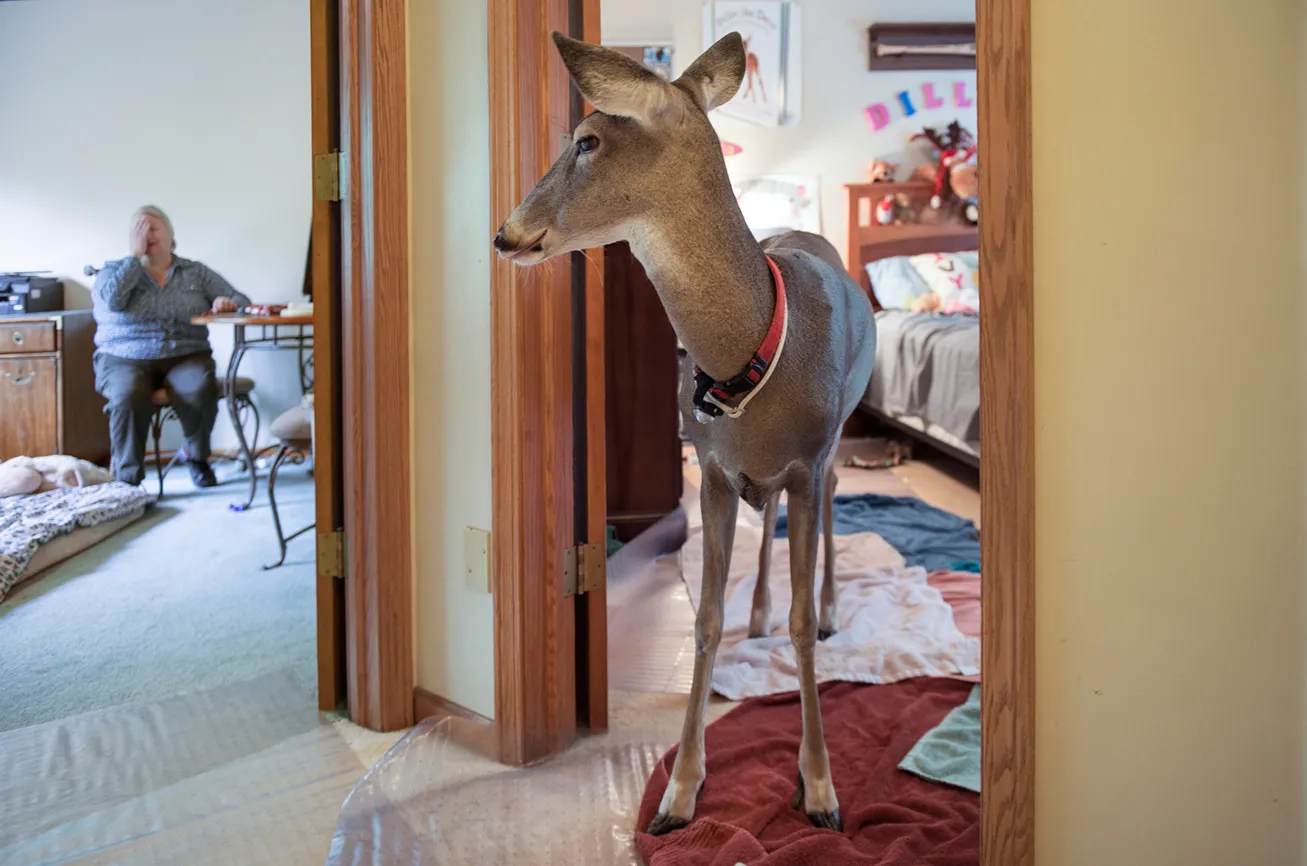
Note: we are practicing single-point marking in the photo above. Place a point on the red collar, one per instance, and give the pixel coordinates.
(711, 397)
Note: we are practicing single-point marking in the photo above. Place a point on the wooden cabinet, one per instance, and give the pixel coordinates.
(642, 419)
(48, 403)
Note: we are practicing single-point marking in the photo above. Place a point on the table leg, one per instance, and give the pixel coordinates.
(233, 365)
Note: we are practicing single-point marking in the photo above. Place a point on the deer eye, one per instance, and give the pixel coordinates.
(586, 143)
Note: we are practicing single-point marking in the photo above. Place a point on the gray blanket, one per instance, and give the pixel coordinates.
(928, 366)
(27, 522)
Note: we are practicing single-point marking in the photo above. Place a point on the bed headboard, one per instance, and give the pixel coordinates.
(869, 241)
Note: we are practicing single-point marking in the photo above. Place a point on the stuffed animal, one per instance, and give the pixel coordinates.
(881, 171)
(953, 147)
(964, 178)
(21, 475)
(885, 211)
(927, 303)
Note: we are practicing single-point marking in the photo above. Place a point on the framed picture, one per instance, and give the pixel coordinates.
(654, 55)
(769, 95)
(921, 46)
(779, 202)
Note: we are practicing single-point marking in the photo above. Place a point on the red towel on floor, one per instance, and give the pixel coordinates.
(891, 818)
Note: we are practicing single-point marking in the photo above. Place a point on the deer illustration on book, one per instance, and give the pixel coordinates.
(752, 73)
(781, 338)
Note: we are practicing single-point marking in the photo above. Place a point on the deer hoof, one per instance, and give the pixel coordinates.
(825, 633)
(827, 820)
(824, 820)
(664, 824)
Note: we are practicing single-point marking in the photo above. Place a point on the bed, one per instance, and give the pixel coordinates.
(927, 377)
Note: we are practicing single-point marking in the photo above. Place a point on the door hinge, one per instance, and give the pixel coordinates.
(329, 176)
(331, 553)
(585, 568)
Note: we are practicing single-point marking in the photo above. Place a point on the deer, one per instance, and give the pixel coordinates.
(782, 338)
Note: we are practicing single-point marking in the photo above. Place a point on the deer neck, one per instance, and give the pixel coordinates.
(713, 280)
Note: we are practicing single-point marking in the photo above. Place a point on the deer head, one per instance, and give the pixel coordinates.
(649, 147)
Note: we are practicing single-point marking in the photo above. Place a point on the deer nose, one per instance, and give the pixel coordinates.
(499, 242)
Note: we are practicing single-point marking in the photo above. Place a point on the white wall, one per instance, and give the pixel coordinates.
(1169, 434)
(832, 139)
(200, 108)
(450, 222)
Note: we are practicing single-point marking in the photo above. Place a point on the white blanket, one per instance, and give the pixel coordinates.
(892, 625)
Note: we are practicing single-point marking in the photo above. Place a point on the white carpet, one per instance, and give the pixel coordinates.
(175, 603)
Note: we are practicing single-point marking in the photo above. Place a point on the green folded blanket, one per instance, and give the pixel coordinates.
(950, 752)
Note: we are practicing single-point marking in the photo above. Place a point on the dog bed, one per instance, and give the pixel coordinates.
(29, 523)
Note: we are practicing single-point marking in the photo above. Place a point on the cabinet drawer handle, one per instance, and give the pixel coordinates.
(18, 338)
(21, 380)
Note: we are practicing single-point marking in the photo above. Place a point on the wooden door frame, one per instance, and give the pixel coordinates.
(375, 363)
(324, 279)
(1007, 435)
(535, 696)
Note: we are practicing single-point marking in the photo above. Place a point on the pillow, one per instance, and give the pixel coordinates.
(896, 283)
(950, 275)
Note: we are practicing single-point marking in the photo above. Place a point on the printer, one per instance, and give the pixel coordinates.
(29, 292)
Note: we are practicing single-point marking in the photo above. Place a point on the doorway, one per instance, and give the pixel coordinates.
(524, 149)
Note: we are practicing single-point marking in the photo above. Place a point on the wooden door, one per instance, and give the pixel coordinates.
(642, 417)
(29, 393)
(324, 282)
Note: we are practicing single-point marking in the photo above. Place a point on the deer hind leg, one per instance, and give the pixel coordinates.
(760, 618)
(816, 792)
(828, 620)
(720, 504)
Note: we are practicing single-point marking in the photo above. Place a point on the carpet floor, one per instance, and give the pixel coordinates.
(175, 603)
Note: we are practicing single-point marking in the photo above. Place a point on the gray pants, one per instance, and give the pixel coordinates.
(129, 385)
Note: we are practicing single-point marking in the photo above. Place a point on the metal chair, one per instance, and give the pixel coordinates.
(163, 413)
(294, 430)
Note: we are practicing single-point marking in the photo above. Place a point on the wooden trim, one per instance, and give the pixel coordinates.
(375, 368)
(592, 670)
(460, 726)
(324, 283)
(531, 384)
(1007, 428)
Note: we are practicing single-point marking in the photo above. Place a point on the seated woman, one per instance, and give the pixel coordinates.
(145, 340)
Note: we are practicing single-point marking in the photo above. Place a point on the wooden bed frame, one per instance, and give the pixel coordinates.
(868, 241)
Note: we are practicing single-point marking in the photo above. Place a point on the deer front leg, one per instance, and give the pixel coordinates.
(760, 618)
(720, 504)
(816, 791)
(828, 620)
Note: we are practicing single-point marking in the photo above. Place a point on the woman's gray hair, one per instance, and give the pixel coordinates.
(155, 211)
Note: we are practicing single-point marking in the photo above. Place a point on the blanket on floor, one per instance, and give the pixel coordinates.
(893, 625)
(926, 536)
(27, 522)
(891, 818)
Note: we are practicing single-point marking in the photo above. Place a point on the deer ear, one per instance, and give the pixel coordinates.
(715, 77)
(612, 82)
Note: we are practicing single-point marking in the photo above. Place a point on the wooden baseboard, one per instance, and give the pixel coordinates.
(466, 728)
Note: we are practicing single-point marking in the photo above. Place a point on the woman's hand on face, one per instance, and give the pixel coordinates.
(224, 305)
(140, 237)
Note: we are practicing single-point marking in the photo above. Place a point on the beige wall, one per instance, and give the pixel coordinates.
(1170, 395)
(107, 105)
(449, 145)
